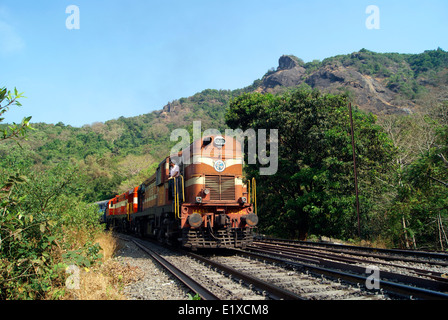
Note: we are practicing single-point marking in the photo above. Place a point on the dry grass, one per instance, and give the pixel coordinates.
(94, 285)
(108, 244)
(105, 281)
(377, 243)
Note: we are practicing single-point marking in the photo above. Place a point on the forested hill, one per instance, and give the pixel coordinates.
(119, 153)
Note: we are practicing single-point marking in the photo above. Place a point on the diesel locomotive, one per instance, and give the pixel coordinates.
(207, 205)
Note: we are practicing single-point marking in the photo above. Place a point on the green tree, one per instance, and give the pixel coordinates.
(423, 197)
(14, 131)
(313, 190)
(417, 213)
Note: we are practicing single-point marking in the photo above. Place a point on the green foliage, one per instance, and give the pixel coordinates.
(429, 60)
(419, 212)
(84, 257)
(42, 217)
(195, 297)
(14, 131)
(404, 73)
(313, 189)
(402, 170)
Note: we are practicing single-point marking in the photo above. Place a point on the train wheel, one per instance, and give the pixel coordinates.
(159, 235)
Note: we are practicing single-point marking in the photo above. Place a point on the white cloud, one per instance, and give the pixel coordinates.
(10, 40)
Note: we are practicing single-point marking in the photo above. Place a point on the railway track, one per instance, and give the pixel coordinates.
(294, 281)
(209, 283)
(239, 275)
(273, 270)
(387, 254)
(405, 274)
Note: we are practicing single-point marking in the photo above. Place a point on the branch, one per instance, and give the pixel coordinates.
(443, 159)
(439, 181)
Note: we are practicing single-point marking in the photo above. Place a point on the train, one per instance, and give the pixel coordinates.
(208, 204)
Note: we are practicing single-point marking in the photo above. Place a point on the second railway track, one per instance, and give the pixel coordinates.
(397, 272)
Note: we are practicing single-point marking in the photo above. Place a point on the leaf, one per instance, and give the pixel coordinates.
(51, 223)
(17, 235)
(2, 94)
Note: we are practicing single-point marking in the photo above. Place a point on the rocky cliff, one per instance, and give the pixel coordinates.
(377, 83)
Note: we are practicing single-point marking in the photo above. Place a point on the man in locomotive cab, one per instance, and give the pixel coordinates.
(174, 168)
(174, 173)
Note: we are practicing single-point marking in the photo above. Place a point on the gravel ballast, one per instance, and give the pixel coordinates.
(155, 283)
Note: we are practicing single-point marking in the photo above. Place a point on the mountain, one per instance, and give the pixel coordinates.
(381, 83)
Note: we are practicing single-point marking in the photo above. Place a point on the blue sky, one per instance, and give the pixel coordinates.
(132, 57)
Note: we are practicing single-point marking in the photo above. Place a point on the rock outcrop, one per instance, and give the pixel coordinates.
(369, 93)
(289, 73)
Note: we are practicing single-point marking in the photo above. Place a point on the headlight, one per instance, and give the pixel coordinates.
(195, 220)
(198, 199)
(251, 219)
(206, 191)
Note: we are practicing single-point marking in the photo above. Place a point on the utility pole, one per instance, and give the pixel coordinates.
(354, 167)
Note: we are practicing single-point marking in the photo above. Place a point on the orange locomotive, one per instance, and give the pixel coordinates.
(206, 206)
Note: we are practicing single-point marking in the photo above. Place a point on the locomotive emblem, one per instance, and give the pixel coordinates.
(219, 165)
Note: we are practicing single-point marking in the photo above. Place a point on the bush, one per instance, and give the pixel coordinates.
(37, 246)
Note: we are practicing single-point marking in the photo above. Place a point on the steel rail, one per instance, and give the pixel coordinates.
(177, 273)
(330, 269)
(335, 256)
(274, 291)
(348, 249)
(437, 283)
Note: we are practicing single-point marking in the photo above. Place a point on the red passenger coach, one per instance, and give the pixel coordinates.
(207, 205)
(123, 205)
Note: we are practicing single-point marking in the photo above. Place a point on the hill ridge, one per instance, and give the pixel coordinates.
(381, 83)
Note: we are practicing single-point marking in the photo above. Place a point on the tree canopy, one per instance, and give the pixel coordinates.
(313, 190)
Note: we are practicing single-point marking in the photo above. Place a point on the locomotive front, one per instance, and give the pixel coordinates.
(218, 208)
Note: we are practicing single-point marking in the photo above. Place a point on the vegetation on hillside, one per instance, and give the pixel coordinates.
(405, 74)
